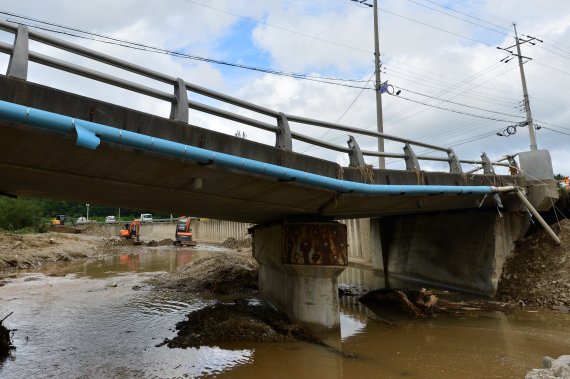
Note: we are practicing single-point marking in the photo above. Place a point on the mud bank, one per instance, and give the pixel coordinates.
(27, 251)
(24, 251)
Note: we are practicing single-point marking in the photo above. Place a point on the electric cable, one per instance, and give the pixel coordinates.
(468, 15)
(143, 47)
(455, 102)
(278, 27)
(459, 18)
(341, 116)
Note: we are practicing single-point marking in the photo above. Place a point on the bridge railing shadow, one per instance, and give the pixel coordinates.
(20, 56)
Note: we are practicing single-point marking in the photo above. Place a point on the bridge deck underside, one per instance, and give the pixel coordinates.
(50, 165)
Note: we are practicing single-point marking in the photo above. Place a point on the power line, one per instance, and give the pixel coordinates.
(552, 68)
(459, 18)
(435, 27)
(277, 27)
(143, 47)
(468, 15)
(451, 110)
(456, 103)
(341, 116)
(465, 81)
(542, 123)
(556, 131)
(422, 80)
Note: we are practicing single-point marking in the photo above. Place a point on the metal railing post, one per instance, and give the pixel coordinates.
(283, 138)
(355, 154)
(179, 107)
(412, 163)
(513, 166)
(18, 65)
(487, 164)
(454, 164)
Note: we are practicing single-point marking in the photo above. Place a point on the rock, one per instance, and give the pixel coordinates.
(552, 369)
(152, 243)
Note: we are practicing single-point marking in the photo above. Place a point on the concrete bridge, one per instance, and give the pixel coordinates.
(440, 226)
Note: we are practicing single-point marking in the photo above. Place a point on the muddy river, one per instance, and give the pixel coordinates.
(99, 320)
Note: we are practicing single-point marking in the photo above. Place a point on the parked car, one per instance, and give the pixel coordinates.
(81, 220)
(110, 220)
(146, 217)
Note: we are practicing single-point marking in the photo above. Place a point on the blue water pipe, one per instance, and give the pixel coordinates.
(90, 134)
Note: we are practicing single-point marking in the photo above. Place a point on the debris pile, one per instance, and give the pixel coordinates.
(416, 303)
(243, 321)
(5, 340)
(538, 271)
(232, 243)
(220, 273)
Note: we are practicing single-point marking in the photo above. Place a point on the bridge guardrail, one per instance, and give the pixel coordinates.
(20, 55)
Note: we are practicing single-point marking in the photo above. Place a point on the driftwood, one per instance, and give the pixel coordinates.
(5, 340)
(417, 303)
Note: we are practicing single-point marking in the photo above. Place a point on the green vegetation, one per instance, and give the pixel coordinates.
(31, 215)
(19, 214)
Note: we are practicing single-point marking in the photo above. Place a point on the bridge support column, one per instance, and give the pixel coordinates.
(299, 266)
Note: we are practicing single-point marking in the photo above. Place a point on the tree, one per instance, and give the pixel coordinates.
(19, 214)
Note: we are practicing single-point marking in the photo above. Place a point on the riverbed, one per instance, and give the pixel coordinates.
(98, 319)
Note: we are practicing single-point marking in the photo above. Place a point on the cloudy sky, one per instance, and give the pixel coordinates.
(442, 55)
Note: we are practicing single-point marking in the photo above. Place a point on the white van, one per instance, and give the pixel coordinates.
(146, 217)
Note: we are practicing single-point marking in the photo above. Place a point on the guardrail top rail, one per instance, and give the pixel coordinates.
(20, 55)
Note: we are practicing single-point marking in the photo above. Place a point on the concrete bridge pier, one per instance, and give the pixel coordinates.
(299, 266)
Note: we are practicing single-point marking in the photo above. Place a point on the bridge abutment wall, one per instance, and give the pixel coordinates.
(462, 250)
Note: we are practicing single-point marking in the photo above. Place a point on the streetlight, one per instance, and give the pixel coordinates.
(87, 205)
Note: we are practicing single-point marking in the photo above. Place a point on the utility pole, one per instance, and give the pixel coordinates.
(529, 121)
(525, 92)
(379, 118)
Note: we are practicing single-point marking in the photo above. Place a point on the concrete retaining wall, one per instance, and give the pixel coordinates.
(359, 243)
(203, 230)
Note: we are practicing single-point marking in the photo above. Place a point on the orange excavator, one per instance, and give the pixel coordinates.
(183, 234)
(131, 231)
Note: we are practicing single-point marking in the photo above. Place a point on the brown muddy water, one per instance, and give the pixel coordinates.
(101, 321)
